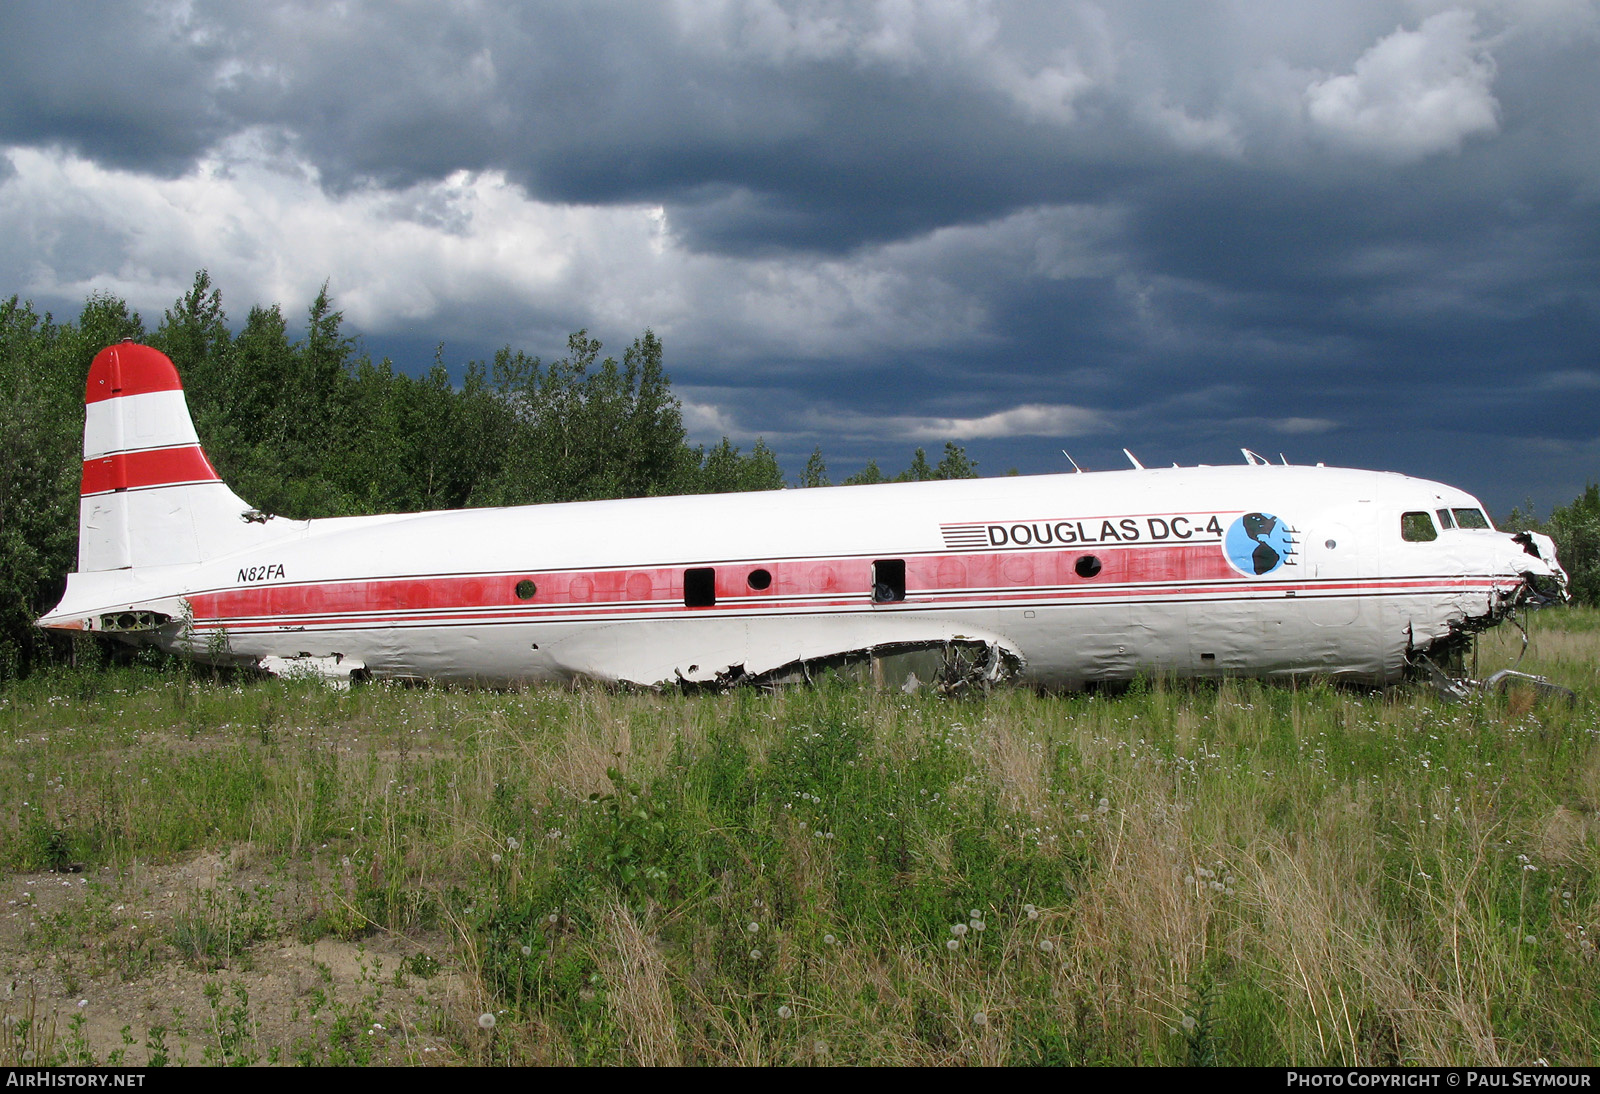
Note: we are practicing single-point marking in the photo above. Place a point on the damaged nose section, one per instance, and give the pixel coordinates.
(1454, 689)
(1543, 582)
(1547, 584)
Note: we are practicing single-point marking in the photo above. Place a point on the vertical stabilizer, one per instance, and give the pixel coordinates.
(150, 497)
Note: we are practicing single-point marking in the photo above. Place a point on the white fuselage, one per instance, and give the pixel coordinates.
(1249, 570)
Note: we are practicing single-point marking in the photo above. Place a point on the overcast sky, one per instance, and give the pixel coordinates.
(1364, 233)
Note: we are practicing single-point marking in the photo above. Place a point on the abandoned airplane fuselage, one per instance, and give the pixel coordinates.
(1065, 579)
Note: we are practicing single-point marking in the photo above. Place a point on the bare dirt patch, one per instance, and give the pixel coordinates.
(216, 959)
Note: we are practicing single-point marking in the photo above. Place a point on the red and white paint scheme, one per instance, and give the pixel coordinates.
(1258, 570)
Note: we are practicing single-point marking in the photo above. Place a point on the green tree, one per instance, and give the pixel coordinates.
(1575, 527)
(919, 471)
(194, 334)
(316, 388)
(42, 371)
(654, 444)
(867, 476)
(816, 471)
(955, 464)
(761, 470)
(253, 403)
(585, 428)
(724, 471)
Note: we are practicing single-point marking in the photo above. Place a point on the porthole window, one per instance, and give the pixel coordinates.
(1086, 566)
(759, 579)
(526, 589)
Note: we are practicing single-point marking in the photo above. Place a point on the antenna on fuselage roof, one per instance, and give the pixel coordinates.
(1252, 458)
(1137, 466)
(1283, 459)
(1072, 461)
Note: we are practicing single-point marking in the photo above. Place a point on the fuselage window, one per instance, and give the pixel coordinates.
(1444, 519)
(1087, 566)
(1472, 518)
(759, 579)
(1417, 528)
(888, 580)
(526, 589)
(699, 587)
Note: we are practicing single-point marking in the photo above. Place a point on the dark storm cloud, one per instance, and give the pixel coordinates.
(113, 81)
(810, 134)
(1369, 228)
(751, 147)
(752, 144)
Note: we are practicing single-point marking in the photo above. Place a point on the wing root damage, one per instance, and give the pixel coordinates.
(952, 666)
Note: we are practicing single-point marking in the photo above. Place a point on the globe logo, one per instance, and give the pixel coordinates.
(1257, 543)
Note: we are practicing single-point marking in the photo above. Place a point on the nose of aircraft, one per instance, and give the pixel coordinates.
(1538, 565)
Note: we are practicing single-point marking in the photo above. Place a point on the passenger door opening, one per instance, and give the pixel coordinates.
(700, 587)
(888, 580)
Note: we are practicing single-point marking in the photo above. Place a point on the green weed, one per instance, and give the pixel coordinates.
(833, 874)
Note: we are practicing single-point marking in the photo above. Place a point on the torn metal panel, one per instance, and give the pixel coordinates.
(720, 651)
(1546, 689)
(337, 669)
(955, 666)
(1459, 689)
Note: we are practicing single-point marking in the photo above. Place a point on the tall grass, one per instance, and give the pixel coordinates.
(1230, 873)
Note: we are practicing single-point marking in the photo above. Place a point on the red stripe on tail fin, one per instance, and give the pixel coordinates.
(153, 467)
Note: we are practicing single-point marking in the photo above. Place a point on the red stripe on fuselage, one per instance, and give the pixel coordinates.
(151, 467)
(933, 582)
(1041, 598)
(129, 369)
(663, 585)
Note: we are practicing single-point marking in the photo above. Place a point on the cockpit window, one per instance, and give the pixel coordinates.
(1417, 528)
(1444, 518)
(1472, 518)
